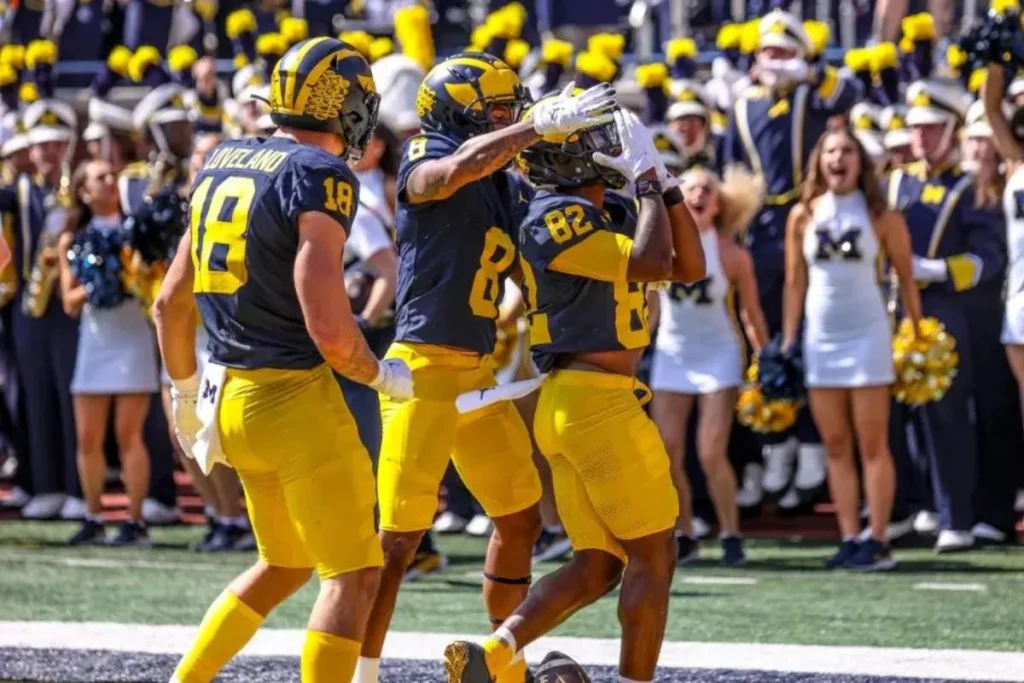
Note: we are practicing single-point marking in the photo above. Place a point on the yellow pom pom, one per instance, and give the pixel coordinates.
(206, 9)
(729, 36)
(40, 52)
(556, 51)
(271, 44)
(181, 58)
(381, 47)
(680, 47)
(976, 80)
(610, 45)
(28, 93)
(239, 22)
(515, 52)
(119, 60)
(819, 33)
(596, 65)
(144, 58)
(13, 55)
(925, 362)
(764, 417)
(750, 37)
(8, 76)
(651, 75)
(1003, 6)
(360, 40)
(858, 59)
(884, 57)
(294, 29)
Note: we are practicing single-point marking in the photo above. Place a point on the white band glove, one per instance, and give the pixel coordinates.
(929, 269)
(394, 379)
(566, 113)
(638, 151)
(184, 398)
(782, 72)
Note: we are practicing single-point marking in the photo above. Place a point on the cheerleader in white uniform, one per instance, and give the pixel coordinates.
(699, 354)
(115, 370)
(835, 240)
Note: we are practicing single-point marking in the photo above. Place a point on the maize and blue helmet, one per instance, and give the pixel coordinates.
(469, 94)
(566, 160)
(323, 84)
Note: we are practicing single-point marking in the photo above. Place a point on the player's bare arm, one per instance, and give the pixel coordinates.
(174, 314)
(477, 158)
(650, 259)
(319, 284)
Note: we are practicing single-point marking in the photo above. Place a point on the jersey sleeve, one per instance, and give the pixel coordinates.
(319, 185)
(419, 149)
(575, 239)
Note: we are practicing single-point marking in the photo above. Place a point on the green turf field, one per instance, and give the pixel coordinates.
(970, 601)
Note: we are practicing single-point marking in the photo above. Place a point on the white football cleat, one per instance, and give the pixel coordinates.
(751, 492)
(951, 541)
(449, 523)
(926, 522)
(73, 509)
(480, 525)
(778, 461)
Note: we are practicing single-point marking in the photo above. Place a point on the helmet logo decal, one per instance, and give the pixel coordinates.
(327, 96)
(425, 100)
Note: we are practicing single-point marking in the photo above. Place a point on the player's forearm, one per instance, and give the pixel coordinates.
(477, 158)
(650, 259)
(688, 263)
(175, 325)
(346, 351)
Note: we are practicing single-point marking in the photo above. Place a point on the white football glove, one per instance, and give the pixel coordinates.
(184, 399)
(567, 113)
(638, 151)
(394, 379)
(666, 179)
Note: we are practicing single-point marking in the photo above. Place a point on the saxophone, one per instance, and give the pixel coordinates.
(43, 276)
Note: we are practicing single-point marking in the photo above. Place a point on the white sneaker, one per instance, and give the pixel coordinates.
(778, 460)
(810, 467)
(73, 509)
(751, 492)
(951, 541)
(44, 506)
(926, 522)
(893, 531)
(986, 532)
(157, 514)
(701, 529)
(16, 499)
(789, 501)
(480, 525)
(450, 523)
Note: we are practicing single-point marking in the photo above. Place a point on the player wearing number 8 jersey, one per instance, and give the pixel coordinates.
(586, 254)
(457, 213)
(263, 258)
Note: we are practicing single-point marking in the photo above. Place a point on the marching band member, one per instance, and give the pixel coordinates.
(689, 117)
(774, 125)
(699, 354)
(835, 240)
(896, 138)
(955, 248)
(109, 133)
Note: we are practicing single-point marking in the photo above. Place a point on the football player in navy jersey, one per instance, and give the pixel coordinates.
(457, 214)
(269, 219)
(586, 255)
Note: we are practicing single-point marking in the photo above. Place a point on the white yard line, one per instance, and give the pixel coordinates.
(857, 661)
(976, 587)
(719, 580)
(103, 563)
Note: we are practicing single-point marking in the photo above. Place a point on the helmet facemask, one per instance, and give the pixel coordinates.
(357, 121)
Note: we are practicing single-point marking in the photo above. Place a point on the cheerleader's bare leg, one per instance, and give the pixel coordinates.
(713, 429)
(671, 412)
(831, 410)
(870, 422)
(129, 415)
(91, 413)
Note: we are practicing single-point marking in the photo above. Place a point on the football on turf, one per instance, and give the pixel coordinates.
(559, 668)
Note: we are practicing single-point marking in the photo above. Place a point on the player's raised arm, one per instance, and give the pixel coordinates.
(320, 286)
(483, 155)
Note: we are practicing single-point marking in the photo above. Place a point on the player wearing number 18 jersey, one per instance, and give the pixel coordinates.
(586, 254)
(263, 257)
(457, 215)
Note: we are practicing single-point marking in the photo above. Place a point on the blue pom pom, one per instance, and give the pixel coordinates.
(95, 260)
(156, 229)
(781, 374)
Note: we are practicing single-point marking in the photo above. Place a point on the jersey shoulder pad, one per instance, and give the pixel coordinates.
(555, 222)
(420, 148)
(312, 180)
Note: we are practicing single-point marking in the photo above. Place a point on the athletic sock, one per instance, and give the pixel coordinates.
(367, 670)
(499, 650)
(515, 672)
(228, 625)
(328, 658)
(427, 544)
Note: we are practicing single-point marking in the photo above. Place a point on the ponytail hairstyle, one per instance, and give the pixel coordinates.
(740, 196)
(867, 181)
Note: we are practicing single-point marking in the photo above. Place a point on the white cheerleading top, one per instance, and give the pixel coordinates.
(1013, 208)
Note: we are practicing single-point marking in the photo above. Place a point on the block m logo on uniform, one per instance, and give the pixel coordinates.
(846, 247)
(696, 292)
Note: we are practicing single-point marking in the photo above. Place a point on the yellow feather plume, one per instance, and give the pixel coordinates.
(145, 57)
(556, 51)
(680, 47)
(271, 44)
(750, 37)
(239, 60)
(819, 33)
(976, 80)
(119, 60)
(925, 362)
(596, 65)
(360, 40)
(206, 9)
(8, 76)
(480, 38)
(505, 23)
(40, 52)
(884, 57)
(610, 45)
(858, 59)
(1004, 6)
(412, 29)
(515, 52)
(239, 22)
(919, 27)
(13, 55)
(955, 57)
(729, 36)
(651, 75)
(28, 93)
(381, 47)
(181, 58)
(294, 29)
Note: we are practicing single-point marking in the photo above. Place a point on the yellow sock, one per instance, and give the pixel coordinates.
(515, 672)
(328, 659)
(498, 654)
(228, 625)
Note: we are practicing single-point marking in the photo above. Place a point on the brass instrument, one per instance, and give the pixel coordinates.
(43, 277)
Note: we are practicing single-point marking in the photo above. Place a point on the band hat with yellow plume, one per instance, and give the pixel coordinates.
(867, 129)
(13, 138)
(690, 100)
(977, 124)
(893, 121)
(105, 117)
(930, 102)
(782, 30)
(50, 120)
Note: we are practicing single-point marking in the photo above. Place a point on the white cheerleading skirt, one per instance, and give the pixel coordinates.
(697, 371)
(117, 352)
(1013, 320)
(862, 359)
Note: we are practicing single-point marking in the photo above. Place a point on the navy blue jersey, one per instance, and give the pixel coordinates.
(594, 308)
(454, 254)
(245, 206)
